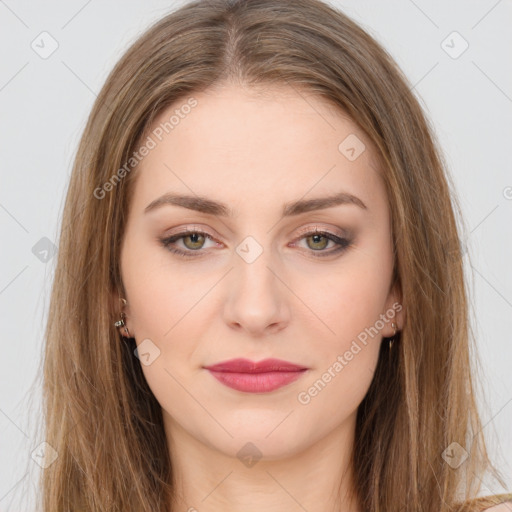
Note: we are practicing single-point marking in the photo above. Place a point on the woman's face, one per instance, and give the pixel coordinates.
(254, 282)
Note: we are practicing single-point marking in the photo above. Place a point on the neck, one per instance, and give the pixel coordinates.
(314, 478)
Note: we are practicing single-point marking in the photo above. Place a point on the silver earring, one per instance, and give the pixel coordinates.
(120, 323)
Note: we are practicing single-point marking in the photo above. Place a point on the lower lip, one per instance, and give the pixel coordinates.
(256, 382)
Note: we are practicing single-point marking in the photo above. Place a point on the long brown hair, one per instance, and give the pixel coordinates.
(100, 415)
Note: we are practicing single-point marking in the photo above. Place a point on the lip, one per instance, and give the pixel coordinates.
(256, 377)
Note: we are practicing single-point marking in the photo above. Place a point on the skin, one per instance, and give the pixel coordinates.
(256, 152)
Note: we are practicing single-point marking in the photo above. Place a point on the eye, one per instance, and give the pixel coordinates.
(316, 240)
(192, 240)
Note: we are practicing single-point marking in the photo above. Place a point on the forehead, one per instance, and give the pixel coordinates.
(242, 144)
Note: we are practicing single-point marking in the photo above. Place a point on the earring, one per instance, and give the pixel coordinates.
(120, 323)
(392, 340)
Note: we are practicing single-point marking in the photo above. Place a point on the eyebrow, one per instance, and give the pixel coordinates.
(205, 205)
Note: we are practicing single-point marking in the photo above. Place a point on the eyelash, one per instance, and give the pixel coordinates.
(343, 243)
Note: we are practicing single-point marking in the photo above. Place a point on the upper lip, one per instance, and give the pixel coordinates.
(247, 366)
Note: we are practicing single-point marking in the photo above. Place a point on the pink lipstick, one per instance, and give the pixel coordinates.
(256, 377)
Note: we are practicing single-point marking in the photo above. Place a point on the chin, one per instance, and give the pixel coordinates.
(259, 437)
(250, 449)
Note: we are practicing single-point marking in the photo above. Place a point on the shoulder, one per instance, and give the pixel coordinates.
(502, 507)
(492, 503)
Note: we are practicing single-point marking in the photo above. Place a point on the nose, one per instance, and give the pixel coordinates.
(257, 300)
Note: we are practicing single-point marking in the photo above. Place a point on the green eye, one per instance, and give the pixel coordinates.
(319, 241)
(197, 240)
(316, 241)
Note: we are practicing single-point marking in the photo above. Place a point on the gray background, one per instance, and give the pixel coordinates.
(44, 103)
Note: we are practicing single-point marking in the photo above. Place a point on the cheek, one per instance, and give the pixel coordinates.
(347, 352)
(168, 306)
(350, 298)
(151, 303)
(158, 293)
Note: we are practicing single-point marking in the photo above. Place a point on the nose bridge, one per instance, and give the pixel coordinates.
(252, 263)
(254, 300)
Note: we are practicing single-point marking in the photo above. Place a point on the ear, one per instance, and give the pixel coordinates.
(394, 311)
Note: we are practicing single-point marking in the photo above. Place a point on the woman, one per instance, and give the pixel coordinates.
(259, 298)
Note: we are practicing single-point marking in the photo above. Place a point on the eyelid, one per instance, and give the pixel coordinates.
(317, 228)
(341, 239)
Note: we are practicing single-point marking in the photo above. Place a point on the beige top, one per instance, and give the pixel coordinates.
(495, 503)
(502, 507)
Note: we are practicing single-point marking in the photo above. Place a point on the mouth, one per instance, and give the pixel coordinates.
(256, 377)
